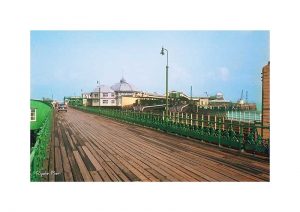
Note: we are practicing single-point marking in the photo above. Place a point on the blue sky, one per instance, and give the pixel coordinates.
(64, 62)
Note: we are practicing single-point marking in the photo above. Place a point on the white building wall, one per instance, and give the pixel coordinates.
(106, 99)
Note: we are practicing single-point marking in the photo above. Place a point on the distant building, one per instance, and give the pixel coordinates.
(242, 105)
(121, 94)
(124, 89)
(201, 101)
(178, 95)
(86, 95)
(218, 96)
(218, 101)
(107, 96)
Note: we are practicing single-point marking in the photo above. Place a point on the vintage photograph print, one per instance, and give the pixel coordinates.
(150, 106)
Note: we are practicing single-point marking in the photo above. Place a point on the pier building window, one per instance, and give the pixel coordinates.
(112, 95)
(32, 114)
(113, 101)
(105, 101)
(105, 94)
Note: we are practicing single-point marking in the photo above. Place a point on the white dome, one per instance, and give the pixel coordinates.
(123, 86)
(103, 89)
(219, 95)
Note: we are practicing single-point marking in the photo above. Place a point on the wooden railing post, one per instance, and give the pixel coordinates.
(215, 122)
(186, 118)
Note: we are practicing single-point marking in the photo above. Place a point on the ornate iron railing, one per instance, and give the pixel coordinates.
(243, 136)
(39, 150)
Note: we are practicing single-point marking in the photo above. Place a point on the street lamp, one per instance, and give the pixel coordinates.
(167, 67)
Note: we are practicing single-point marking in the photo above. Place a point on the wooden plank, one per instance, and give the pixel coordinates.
(96, 177)
(178, 169)
(60, 139)
(130, 175)
(75, 169)
(85, 159)
(117, 171)
(112, 175)
(143, 171)
(112, 165)
(109, 171)
(58, 166)
(188, 165)
(66, 165)
(104, 176)
(100, 169)
(181, 173)
(107, 168)
(151, 164)
(56, 141)
(84, 171)
(115, 168)
(70, 140)
(74, 140)
(93, 160)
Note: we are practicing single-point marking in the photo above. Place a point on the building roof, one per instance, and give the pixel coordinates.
(103, 89)
(219, 100)
(123, 86)
(200, 97)
(219, 95)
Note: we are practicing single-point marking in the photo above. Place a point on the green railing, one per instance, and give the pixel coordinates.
(39, 150)
(212, 129)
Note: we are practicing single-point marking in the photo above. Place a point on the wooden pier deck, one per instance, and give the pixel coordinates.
(86, 147)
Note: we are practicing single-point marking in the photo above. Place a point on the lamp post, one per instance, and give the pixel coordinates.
(167, 67)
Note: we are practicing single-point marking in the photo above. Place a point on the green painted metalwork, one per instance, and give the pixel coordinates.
(74, 101)
(42, 111)
(39, 151)
(211, 131)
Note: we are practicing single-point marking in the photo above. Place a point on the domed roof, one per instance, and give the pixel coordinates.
(103, 89)
(219, 95)
(123, 86)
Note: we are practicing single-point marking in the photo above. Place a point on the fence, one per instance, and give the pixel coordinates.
(39, 151)
(211, 129)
